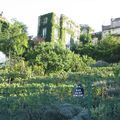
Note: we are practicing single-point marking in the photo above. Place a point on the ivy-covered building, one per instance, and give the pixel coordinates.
(60, 30)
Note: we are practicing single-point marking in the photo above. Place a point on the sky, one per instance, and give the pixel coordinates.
(92, 12)
(2, 57)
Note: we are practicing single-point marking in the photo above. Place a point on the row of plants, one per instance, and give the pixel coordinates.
(20, 96)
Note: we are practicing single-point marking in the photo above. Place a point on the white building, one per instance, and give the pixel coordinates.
(113, 28)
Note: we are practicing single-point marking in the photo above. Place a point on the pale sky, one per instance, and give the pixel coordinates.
(91, 12)
(2, 57)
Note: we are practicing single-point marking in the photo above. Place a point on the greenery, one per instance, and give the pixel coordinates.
(107, 49)
(54, 59)
(86, 36)
(14, 39)
(28, 94)
(46, 74)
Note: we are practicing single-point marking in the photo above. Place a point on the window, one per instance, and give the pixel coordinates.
(68, 25)
(71, 26)
(67, 40)
(75, 39)
(56, 34)
(44, 32)
(57, 21)
(64, 24)
(45, 20)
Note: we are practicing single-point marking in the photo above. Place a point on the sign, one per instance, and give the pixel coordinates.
(79, 91)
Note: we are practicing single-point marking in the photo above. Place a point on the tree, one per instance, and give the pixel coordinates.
(4, 24)
(14, 39)
(86, 36)
(107, 49)
(54, 59)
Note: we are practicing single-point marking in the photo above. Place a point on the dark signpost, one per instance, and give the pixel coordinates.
(79, 91)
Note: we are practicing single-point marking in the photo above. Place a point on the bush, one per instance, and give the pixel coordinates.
(54, 59)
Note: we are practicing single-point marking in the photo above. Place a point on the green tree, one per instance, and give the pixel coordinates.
(4, 24)
(106, 48)
(86, 36)
(14, 39)
(54, 58)
(4, 32)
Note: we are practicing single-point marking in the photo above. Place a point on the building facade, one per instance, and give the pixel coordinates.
(113, 28)
(59, 30)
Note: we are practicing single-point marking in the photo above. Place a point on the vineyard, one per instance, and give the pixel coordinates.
(22, 98)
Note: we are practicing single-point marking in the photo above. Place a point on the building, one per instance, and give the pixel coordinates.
(113, 28)
(56, 29)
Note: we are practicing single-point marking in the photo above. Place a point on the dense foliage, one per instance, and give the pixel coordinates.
(41, 74)
(14, 39)
(86, 36)
(52, 59)
(107, 49)
(24, 96)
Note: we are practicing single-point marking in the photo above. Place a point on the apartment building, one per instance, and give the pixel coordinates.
(113, 28)
(58, 29)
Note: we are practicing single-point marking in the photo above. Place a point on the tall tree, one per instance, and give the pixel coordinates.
(14, 39)
(86, 36)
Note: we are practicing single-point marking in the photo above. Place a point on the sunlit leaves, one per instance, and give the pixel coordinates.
(14, 38)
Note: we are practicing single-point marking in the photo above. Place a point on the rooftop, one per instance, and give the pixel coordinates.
(115, 19)
(115, 23)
